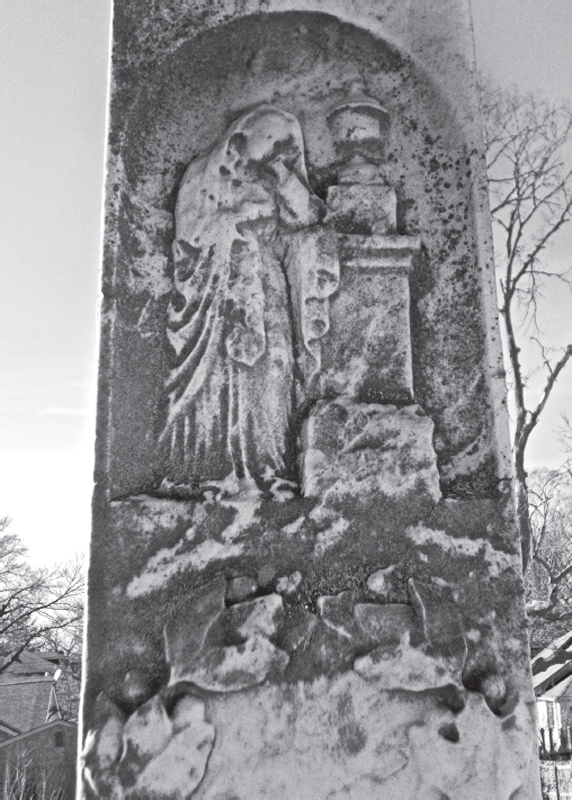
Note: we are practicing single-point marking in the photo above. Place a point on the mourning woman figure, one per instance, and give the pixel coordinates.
(254, 268)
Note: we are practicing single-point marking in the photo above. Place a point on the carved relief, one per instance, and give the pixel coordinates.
(255, 265)
(219, 648)
(374, 365)
(359, 637)
(254, 269)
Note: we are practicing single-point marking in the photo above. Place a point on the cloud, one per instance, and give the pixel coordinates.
(48, 496)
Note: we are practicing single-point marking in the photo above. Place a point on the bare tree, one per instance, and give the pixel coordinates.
(564, 432)
(529, 161)
(549, 577)
(16, 776)
(26, 777)
(35, 603)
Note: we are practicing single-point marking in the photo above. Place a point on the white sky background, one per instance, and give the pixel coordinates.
(53, 73)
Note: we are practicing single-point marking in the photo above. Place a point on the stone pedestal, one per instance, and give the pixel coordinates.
(305, 577)
(371, 362)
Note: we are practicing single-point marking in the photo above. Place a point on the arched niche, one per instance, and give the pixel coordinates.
(304, 63)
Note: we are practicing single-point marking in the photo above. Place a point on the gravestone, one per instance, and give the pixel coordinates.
(305, 577)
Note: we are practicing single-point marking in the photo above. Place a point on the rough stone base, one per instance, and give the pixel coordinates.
(366, 665)
(355, 450)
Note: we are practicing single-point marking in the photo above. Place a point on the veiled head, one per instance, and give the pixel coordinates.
(265, 136)
(257, 170)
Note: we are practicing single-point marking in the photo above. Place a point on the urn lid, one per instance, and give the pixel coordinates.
(358, 118)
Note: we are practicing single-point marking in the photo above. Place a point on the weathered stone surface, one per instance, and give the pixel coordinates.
(439, 618)
(380, 582)
(385, 624)
(427, 157)
(151, 754)
(373, 738)
(354, 209)
(266, 575)
(294, 646)
(179, 766)
(146, 733)
(366, 450)
(259, 617)
(178, 769)
(366, 742)
(338, 614)
(408, 668)
(248, 248)
(234, 652)
(305, 577)
(299, 627)
(289, 584)
(102, 749)
(185, 636)
(240, 588)
(422, 645)
(372, 364)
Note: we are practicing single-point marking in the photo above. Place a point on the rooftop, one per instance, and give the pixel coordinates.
(26, 702)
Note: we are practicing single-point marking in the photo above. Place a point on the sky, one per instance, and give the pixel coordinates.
(53, 87)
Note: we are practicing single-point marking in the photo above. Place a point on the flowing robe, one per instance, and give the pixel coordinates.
(253, 272)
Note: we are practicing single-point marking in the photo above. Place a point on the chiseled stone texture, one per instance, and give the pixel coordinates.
(349, 621)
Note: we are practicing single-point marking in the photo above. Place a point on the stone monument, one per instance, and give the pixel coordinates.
(305, 578)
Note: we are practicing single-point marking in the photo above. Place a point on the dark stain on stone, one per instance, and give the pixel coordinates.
(450, 732)
(509, 723)
(451, 697)
(351, 735)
